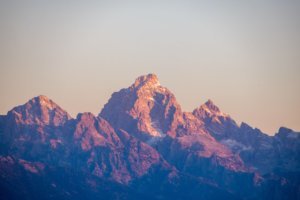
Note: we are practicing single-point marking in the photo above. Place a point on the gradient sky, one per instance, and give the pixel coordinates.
(244, 55)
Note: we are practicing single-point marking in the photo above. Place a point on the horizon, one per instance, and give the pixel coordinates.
(243, 56)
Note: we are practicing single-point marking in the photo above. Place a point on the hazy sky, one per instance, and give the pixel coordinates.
(244, 55)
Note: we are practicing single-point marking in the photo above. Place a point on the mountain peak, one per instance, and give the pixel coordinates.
(284, 130)
(145, 105)
(210, 112)
(209, 104)
(208, 109)
(40, 110)
(149, 80)
(43, 101)
(42, 98)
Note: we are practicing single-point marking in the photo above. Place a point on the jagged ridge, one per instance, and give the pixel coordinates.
(143, 136)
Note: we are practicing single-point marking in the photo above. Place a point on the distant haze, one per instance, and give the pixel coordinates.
(244, 55)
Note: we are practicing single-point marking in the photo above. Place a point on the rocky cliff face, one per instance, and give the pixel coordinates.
(34, 129)
(112, 154)
(150, 112)
(145, 109)
(258, 150)
(39, 111)
(142, 145)
(39, 131)
(216, 122)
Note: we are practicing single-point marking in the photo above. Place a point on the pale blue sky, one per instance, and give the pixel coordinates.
(244, 55)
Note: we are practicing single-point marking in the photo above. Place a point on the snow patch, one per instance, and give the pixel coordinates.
(233, 144)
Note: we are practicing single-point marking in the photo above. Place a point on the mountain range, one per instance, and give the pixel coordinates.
(143, 145)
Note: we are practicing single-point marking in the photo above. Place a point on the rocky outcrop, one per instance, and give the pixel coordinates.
(35, 132)
(112, 154)
(39, 111)
(218, 124)
(145, 109)
(258, 150)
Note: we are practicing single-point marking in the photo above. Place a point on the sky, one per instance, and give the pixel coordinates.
(244, 55)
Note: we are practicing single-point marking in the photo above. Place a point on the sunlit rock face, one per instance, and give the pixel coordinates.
(111, 154)
(34, 129)
(39, 111)
(215, 121)
(145, 109)
(151, 113)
